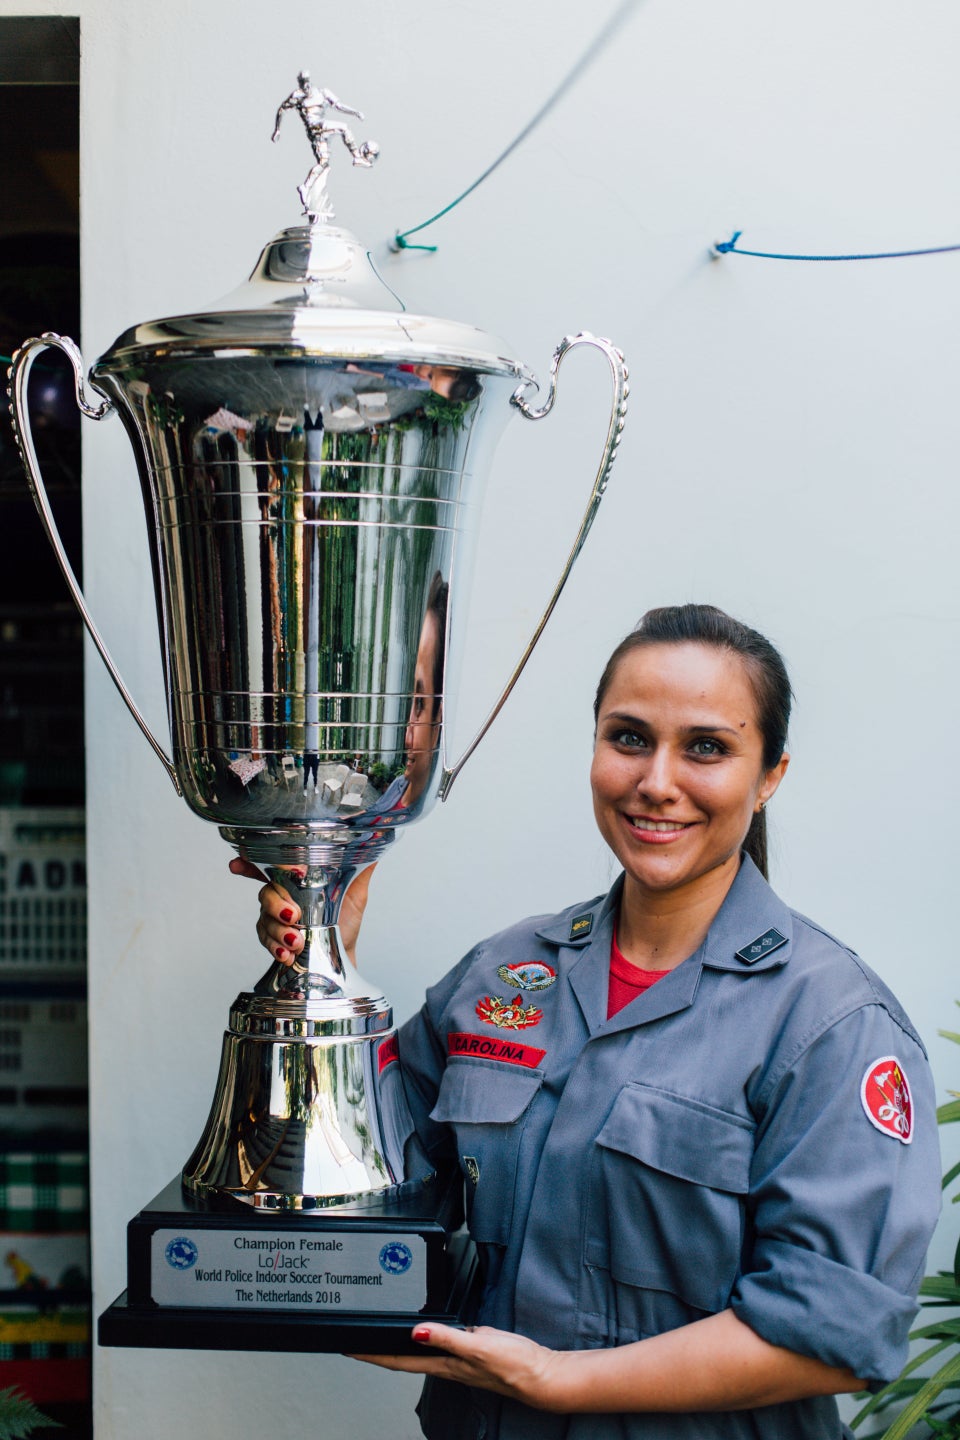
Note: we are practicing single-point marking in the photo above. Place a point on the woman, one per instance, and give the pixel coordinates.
(697, 1134)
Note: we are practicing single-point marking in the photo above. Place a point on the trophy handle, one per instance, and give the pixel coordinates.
(618, 411)
(19, 374)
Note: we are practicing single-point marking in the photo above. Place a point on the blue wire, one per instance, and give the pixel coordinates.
(586, 59)
(729, 247)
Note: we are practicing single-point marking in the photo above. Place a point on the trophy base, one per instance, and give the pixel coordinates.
(348, 1281)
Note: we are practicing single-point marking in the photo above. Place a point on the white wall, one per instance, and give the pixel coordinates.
(790, 454)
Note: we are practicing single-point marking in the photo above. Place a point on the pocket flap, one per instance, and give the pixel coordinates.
(484, 1092)
(680, 1137)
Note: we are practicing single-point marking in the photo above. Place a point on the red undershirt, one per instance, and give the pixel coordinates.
(627, 980)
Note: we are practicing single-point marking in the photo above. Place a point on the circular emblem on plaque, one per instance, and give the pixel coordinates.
(181, 1253)
(396, 1258)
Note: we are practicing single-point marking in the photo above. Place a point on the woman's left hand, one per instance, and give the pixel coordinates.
(489, 1359)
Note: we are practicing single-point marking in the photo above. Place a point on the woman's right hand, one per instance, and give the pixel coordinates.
(280, 914)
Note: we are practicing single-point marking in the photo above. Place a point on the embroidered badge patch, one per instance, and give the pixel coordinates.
(511, 1016)
(528, 975)
(490, 1047)
(387, 1052)
(581, 925)
(760, 948)
(885, 1095)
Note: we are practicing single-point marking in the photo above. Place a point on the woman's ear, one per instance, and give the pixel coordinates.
(771, 780)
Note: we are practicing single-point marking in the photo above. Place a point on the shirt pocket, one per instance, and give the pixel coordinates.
(486, 1103)
(667, 1213)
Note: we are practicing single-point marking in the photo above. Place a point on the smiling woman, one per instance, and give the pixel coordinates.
(689, 747)
(703, 1185)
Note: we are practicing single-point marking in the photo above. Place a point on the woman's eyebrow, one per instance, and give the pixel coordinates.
(713, 730)
(623, 717)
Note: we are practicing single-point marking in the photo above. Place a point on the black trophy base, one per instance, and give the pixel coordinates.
(335, 1282)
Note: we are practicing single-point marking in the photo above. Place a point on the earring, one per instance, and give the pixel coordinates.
(763, 804)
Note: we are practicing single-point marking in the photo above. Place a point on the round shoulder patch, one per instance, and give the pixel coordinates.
(885, 1095)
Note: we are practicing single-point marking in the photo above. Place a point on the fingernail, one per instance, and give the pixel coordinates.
(421, 1333)
(282, 956)
(290, 937)
(286, 916)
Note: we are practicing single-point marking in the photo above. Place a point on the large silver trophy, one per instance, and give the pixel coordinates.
(311, 458)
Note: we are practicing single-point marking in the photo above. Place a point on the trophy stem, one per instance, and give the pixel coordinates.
(297, 1120)
(322, 970)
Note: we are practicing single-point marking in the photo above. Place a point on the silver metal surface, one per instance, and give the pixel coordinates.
(311, 104)
(618, 415)
(296, 1122)
(312, 461)
(19, 374)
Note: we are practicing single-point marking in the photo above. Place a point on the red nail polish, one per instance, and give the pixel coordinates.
(290, 936)
(281, 955)
(286, 916)
(421, 1333)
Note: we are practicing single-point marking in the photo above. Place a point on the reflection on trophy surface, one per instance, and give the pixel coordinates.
(312, 458)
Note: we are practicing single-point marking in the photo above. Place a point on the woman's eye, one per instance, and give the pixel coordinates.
(708, 748)
(629, 739)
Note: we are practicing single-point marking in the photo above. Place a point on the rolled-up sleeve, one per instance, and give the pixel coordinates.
(843, 1201)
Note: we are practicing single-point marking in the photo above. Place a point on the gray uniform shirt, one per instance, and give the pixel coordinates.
(737, 1136)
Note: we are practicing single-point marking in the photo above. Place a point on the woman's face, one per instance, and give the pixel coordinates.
(677, 770)
(423, 726)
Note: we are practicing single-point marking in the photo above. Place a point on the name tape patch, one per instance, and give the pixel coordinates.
(490, 1047)
(885, 1096)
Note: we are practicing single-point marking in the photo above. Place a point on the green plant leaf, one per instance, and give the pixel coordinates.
(939, 1330)
(19, 1417)
(943, 1287)
(898, 1387)
(948, 1374)
(946, 1114)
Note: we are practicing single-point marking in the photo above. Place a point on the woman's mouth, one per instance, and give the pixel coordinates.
(657, 832)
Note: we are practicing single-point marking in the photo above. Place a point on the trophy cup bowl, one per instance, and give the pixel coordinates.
(309, 478)
(312, 459)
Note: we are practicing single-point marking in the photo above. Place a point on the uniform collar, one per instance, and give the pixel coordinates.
(589, 968)
(752, 932)
(749, 912)
(580, 925)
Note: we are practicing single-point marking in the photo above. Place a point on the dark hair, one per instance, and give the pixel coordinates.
(706, 625)
(464, 387)
(437, 604)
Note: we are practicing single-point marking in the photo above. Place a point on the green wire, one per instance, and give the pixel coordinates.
(617, 19)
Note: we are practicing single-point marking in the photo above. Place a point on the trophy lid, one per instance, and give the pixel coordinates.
(315, 290)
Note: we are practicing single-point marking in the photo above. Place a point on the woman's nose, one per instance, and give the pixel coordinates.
(657, 780)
